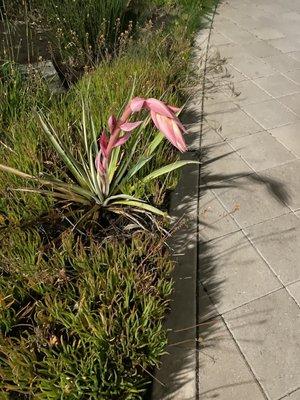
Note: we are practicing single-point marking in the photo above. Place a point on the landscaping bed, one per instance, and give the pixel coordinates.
(83, 296)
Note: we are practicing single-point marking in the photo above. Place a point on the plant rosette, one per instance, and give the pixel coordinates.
(98, 176)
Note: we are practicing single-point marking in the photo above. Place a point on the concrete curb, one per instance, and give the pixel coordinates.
(177, 377)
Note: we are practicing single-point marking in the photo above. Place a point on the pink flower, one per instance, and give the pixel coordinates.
(164, 118)
(107, 144)
(163, 115)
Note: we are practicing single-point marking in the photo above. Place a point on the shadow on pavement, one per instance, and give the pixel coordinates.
(194, 322)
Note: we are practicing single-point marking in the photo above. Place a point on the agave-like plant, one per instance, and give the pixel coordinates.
(98, 176)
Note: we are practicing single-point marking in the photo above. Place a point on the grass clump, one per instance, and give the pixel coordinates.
(81, 310)
(19, 92)
(93, 316)
(82, 33)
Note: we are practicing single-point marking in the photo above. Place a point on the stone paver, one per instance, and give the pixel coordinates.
(230, 121)
(294, 290)
(289, 136)
(292, 101)
(270, 114)
(254, 277)
(261, 151)
(235, 257)
(252, 200)
(288, 176)
(238, 284)
(223, 372)
(261, 49)
(277, 85)
(249, 92)
(267, 332)
(293, 396)
(278, 241)
(282, 62)
(215, 221)
(225, 162)
(251, 66)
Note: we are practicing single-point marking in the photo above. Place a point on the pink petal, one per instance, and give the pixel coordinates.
(102, 168)
(171, 131)
(174, 109)
(137, 104)
(154, 119)
(112, 123)
(180, 142)
(166, 127)
(159, 107)
(179, 124)
(122, 140)
(130, 126)
(99, 164)
(103, 143)
(97, 160)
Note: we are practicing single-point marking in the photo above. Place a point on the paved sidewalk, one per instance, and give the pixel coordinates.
(245, 281)
(253, 133)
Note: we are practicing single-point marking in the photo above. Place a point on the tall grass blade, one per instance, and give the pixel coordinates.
(141, 206)
(166, 169)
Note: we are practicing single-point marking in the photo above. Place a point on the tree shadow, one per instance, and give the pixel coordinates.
(194, 322)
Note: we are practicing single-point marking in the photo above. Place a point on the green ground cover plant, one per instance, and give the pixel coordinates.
(82, 308)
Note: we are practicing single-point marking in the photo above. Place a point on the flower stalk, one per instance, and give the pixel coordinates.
(164, 118)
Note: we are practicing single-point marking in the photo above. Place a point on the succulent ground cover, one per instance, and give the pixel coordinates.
(82, 301)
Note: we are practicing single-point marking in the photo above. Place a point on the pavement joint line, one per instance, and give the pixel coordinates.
(265, 169)
(290, 150)
(253, 300)
(257, 250)
(269, 219)
(264, 128)
(264, 259)
(289, 162)
(261, 171)
(288, 394)
(247, 226)
(290, 79)
(274, 98)
(285, 286)
(291, 296)
(221, 236)
(246, 361)
(291, 283)
(288, 94)
(261, 256)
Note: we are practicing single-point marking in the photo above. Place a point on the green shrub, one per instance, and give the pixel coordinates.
(81, 312)
(18, 93)
(92, 315)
